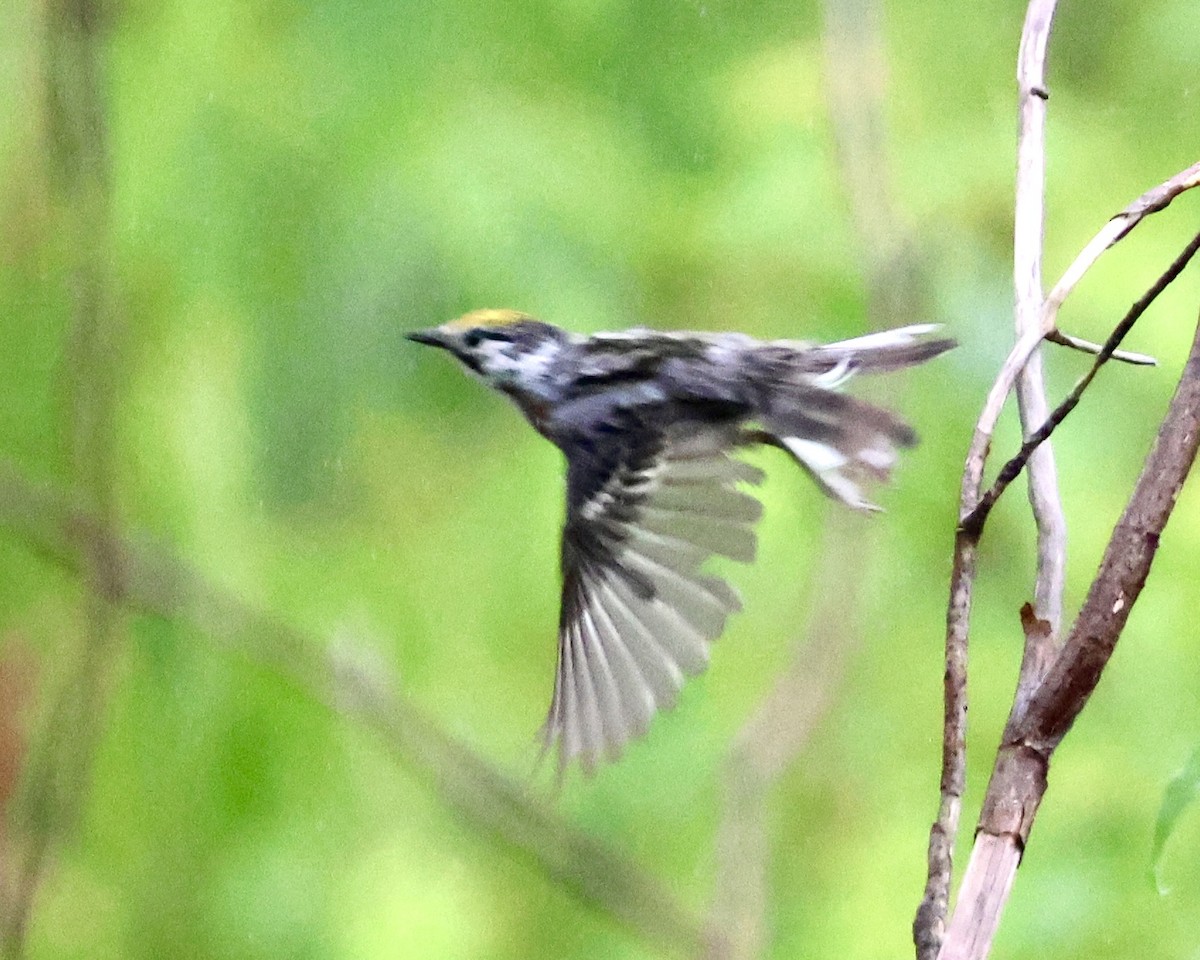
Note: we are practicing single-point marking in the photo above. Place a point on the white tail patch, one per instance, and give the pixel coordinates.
(835, 376)
(879, 459)
(827, 466)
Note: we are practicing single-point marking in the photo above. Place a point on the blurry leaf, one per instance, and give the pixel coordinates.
(1181, 792)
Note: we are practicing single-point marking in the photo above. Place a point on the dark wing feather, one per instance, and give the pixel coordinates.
(638, 616)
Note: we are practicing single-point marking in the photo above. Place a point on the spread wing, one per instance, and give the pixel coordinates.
(638, 616)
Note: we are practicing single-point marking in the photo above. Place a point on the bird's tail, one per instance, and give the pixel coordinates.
(842, 442)
(879, 352)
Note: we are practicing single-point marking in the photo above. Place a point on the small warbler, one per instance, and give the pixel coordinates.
(647, 421)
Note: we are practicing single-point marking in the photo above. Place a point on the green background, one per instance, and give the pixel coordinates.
(293, 186)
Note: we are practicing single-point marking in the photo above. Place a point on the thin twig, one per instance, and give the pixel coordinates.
(151, 579)
(1152, 201)
(1086, 346)
(1012, 469)
(1120, 226)
(1028, 230)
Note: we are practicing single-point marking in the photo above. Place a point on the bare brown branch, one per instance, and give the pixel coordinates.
(997, 852)
(1036, 321)
(1037, 726)
(1122, 574)
(1028, 230)
(929, 923)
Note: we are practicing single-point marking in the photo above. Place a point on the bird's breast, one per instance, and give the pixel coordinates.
(536, 409)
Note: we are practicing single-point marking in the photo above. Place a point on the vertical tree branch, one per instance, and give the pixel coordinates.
(78, 148)
(1028, 233)
(781, 726)
(929, 922)
(1028, 228)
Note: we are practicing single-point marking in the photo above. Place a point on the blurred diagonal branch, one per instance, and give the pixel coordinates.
(149, 578)
(77, 144)
(781, 727)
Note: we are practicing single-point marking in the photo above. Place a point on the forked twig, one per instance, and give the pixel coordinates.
(1115, 230)
(1019, 776)
(973, 523)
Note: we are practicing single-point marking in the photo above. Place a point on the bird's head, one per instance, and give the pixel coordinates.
(508, 349)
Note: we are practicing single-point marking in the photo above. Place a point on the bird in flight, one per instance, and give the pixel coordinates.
(649, 423)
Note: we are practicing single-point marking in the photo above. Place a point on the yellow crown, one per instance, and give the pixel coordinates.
(489, 317)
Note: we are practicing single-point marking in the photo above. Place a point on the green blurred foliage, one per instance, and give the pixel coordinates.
(297, 184)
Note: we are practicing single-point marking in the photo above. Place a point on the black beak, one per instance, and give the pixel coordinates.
(433, 337)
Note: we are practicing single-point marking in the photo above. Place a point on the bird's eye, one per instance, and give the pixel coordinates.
(473, 338)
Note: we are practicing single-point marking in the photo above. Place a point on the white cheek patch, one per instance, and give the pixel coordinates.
(503, 361)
